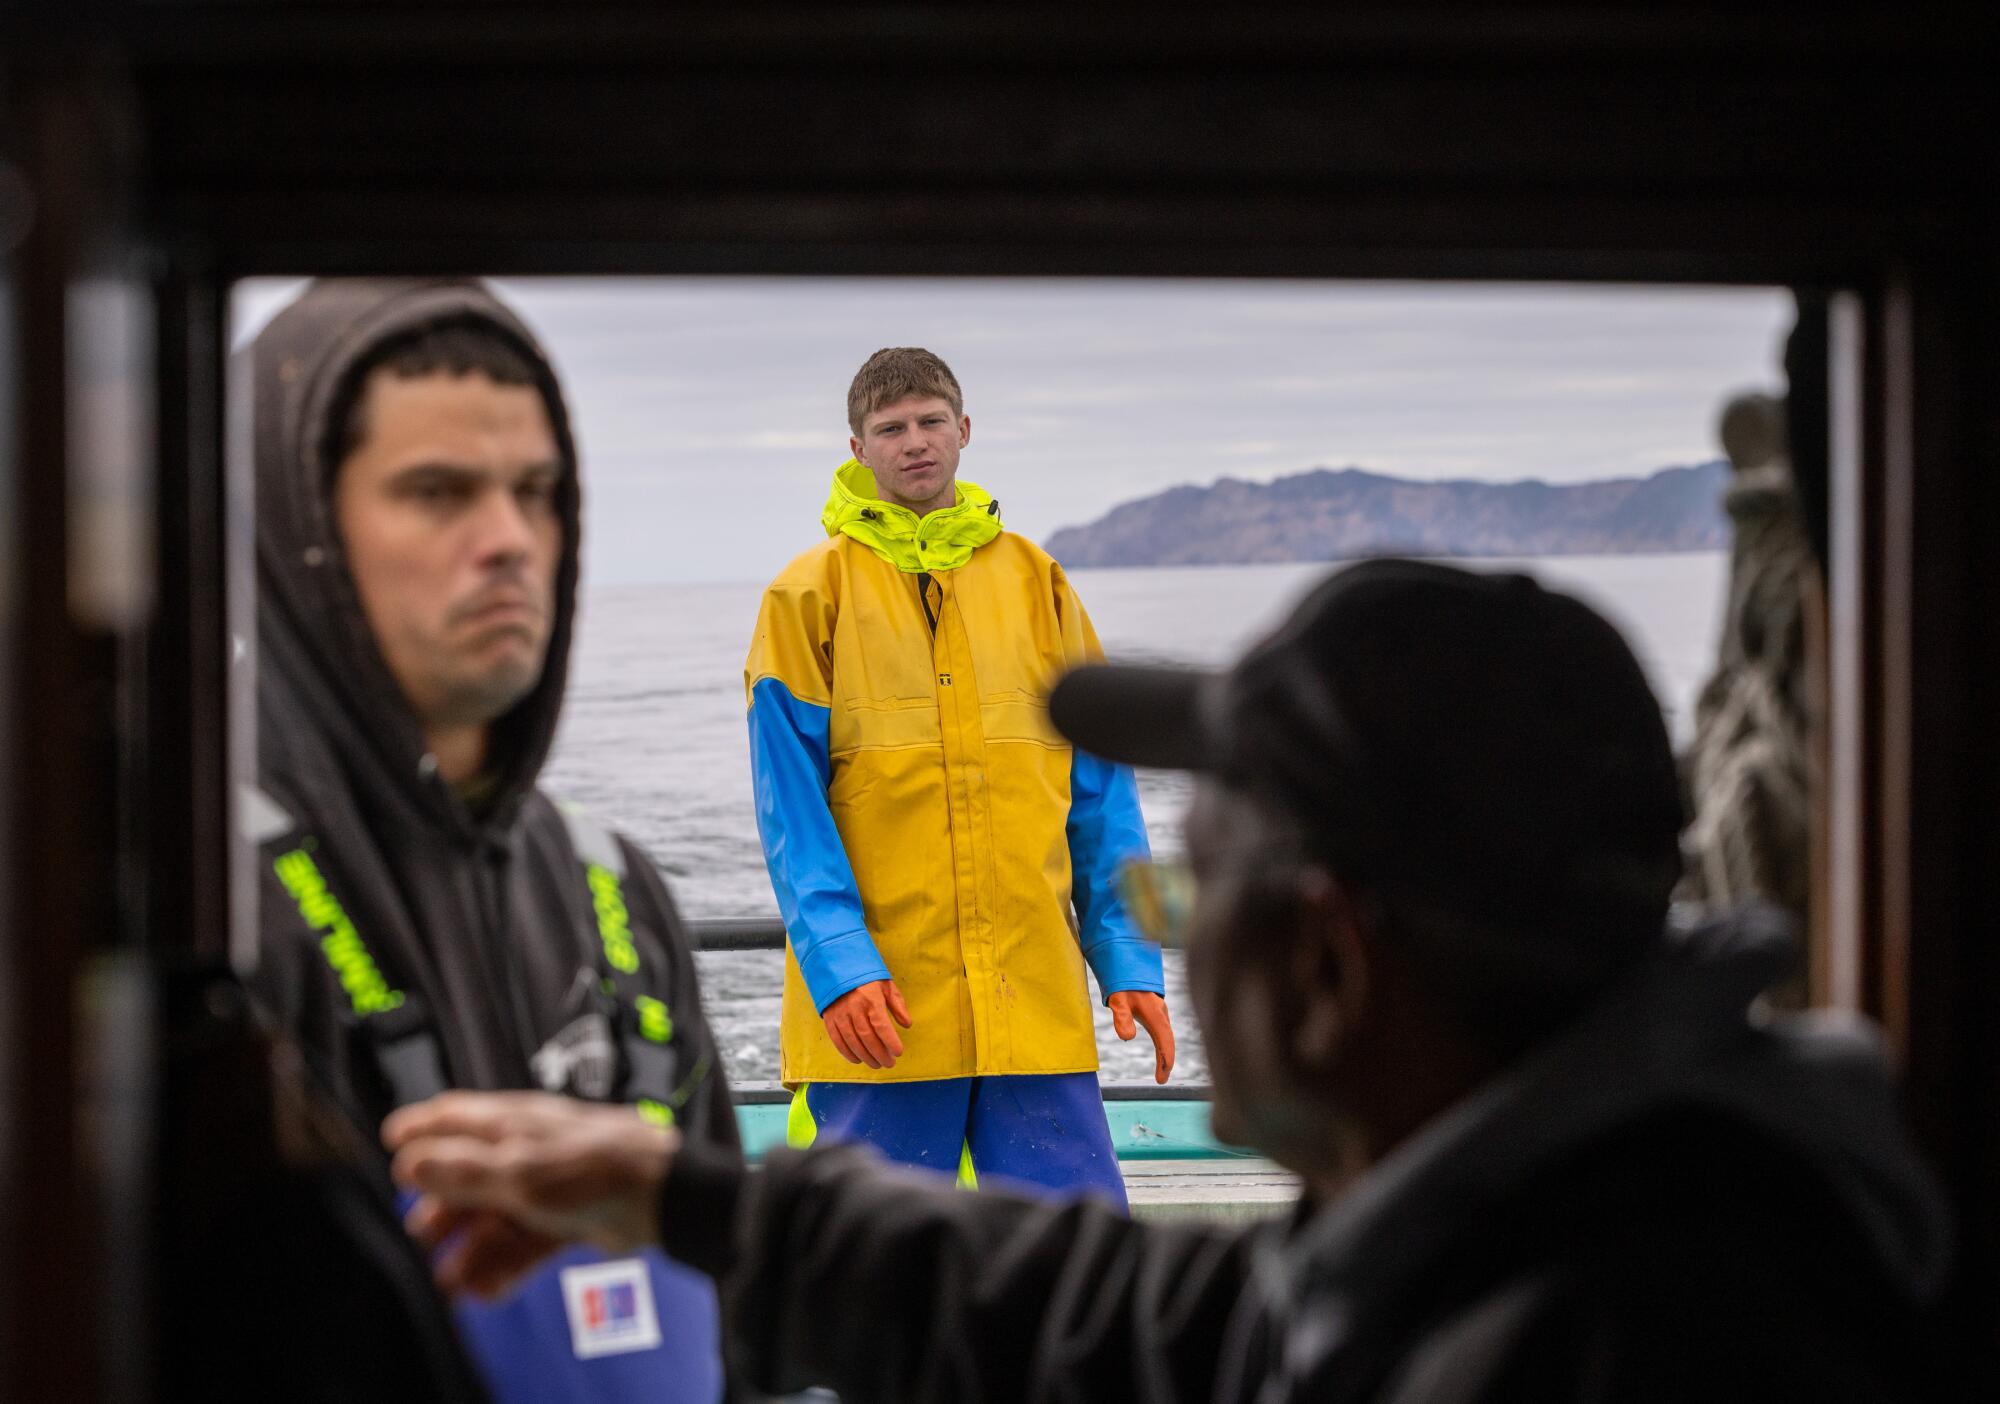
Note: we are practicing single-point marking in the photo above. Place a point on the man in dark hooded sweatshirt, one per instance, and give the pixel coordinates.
(430, 918)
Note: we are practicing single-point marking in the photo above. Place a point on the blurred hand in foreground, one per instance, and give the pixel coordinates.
(1150, 1010)
(506, 1178)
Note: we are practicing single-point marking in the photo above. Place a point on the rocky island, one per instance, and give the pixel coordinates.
(1334, 514)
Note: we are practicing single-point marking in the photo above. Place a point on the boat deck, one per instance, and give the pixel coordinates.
(1174, 1168)
(1229, 1191)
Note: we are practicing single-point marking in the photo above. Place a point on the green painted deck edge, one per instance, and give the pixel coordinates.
(1139, 1130)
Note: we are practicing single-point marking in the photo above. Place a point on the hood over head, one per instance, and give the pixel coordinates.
(941, 540)
(313, 637)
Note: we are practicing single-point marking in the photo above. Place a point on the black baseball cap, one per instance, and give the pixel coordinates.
(1471, 737)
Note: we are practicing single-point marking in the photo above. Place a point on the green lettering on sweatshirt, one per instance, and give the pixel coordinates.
(339, 942)
(614, 923)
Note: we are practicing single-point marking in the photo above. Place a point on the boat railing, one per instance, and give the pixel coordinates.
(738, 934)
(1148, 1122)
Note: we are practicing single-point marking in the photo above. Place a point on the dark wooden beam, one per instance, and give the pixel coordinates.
(1519, 234)
(187, 776)
(1939, 971)
(56, 718)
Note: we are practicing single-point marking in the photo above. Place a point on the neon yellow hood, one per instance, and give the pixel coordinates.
(943, 540)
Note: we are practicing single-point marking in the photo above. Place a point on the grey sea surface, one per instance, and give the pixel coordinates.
(654, 740)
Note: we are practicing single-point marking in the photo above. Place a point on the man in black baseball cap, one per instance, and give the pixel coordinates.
(1466, 759)
(1549, 1150)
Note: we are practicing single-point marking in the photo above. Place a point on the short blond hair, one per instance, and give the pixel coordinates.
(900, 373)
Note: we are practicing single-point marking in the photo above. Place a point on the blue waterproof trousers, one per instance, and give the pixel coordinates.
(1039, 1132)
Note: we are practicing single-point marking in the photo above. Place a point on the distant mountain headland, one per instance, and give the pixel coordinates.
(1328, 515)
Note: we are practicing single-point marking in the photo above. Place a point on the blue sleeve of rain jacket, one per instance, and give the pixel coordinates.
(1105, 831)
(817, 895)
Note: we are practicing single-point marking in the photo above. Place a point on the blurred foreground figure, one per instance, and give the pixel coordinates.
(1547, 1154)
(429, 917)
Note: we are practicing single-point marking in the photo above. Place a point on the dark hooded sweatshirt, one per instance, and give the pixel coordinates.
(481, 927)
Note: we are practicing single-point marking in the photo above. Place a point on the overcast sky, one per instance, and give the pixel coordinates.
(711, 411)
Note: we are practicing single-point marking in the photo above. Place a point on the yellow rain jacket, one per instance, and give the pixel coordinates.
(920, 819)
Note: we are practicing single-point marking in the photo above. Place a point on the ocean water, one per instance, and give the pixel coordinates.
(653, 736)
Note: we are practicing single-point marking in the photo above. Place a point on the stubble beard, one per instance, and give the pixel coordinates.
(479, 695)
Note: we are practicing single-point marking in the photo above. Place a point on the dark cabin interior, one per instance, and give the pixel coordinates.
(152, 152)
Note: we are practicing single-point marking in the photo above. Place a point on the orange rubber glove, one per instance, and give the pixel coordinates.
(1151, 1010)
(858, 1023)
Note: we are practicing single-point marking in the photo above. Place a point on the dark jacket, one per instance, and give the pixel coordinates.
(478, 932)
(1670, 1201)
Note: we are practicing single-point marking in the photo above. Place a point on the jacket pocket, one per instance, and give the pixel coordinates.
(867, 723)
(1015, 714)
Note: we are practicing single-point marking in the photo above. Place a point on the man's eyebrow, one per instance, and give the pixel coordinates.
(443, 468)
(438, 468)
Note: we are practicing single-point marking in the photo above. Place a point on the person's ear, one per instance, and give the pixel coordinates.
(854, 451)
(1330, 972)
(964, 430)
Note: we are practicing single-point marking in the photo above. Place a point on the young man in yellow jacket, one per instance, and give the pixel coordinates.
(945, 863)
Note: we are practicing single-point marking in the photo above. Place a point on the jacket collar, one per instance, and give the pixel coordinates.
(943, 540)
(1677, 1032)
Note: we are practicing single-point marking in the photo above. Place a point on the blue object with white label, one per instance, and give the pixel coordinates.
(588, 1329)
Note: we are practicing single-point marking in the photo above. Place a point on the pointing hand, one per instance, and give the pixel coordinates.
(508, 1177)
